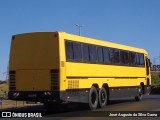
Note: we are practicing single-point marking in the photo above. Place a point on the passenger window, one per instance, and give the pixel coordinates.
(141, 56)
(100, 54)
(114, 56)
(77, 51)
(124, 57)
(132, 58)
(92, 53)
(137, 59)
(106, 55)
(69, 50)
(85, 53)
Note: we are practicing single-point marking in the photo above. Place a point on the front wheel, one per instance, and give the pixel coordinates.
(140, 93)
(93, 98)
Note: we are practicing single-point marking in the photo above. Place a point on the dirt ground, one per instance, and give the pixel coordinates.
(5, 104)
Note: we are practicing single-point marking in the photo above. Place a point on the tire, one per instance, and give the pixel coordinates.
(102, 97)
(93, 98)
(140, 93)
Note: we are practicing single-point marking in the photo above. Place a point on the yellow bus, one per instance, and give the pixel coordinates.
(57, 67)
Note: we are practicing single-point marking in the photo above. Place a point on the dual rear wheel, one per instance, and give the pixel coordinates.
(100, 97)
(97, 98)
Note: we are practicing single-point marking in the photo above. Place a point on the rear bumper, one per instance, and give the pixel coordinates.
(38, 96)
(45, 96)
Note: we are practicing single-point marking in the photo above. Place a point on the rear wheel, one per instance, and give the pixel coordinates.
(102, 97)
(93, 98)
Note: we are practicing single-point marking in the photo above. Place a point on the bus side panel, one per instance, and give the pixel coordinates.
(115, 76)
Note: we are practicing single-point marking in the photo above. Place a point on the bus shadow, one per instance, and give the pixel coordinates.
(69, 109)
(79, 107)
(112, 102)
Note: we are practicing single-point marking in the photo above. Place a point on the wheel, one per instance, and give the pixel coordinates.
(93, 98)
(140, 93)
(102, 97)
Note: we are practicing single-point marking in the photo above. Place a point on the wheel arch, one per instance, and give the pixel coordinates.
(95, 85)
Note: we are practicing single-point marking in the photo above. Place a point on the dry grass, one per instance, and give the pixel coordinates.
(3, 87)
(10, 103)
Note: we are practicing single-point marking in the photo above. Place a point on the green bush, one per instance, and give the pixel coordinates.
(155, 79)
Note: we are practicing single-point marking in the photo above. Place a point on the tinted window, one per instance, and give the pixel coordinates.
(124, 57)
(100, 54)
(77, 51)
(137, 59)
(132, 58)
(92, 53)
(85, 50)
(111, 55)
(141, 57)
(114, 55)
(106, 55)
(69, 50)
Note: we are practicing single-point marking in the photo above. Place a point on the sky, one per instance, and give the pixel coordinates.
(131, 22)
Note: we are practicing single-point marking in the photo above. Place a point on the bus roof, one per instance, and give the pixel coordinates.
(100, 42)
(93, 41)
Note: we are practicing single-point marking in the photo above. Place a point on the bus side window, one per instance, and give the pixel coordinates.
(69, 50)
(132, 57)
(92, 53)
(114, 56)
(141, 56)
(137, 59)
(77, 51)
(111, 51)
(124, 55)
(100, 54)
(106, 55)
(85, 52)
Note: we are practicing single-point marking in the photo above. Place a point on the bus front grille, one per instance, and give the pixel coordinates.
(12, 80)
(54, 79)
